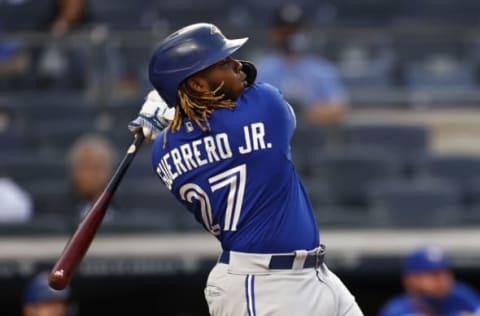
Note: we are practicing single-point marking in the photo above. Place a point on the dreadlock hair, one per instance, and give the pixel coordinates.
(197, 106)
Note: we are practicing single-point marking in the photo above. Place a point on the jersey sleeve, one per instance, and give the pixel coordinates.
(273, 106)
(269, 106)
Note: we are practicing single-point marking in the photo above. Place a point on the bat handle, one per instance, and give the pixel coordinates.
(125, 164)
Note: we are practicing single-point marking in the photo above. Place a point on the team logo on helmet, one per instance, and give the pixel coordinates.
(215, 30)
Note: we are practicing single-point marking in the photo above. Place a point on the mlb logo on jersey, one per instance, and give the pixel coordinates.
(189, 126)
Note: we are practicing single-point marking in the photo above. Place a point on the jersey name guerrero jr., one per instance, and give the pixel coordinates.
(238, 178)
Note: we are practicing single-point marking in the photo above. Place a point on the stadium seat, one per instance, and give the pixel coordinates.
(150, 194)
(307, 141)
(15, 142)
(460, 169)
(440, 81)
(353, 12)
(187, 222)
(24, 16)
(54, 108)
(28, 168)
(408, 143)
(123, 111)
(423, 202)
(364, 65)
(52, 123)
(56, 142)
(338, 216)
(348, 172)
(119, 15)
(155, 196)
(309, 137)
(141, 168)
(472, 214)
(140, 200)
(139, 206)
(187, 12)
(140, 221)
(46, 226)
(317, 191)
(448, 12)
(329, 214)
(45, 192)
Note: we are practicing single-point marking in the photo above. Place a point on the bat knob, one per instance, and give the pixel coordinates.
(56, 280)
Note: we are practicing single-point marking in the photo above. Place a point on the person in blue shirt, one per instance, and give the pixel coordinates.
(39, 299)
(311, 83)
(222, 147)
(431, 289)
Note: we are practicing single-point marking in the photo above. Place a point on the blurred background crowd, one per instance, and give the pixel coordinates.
(386, 96)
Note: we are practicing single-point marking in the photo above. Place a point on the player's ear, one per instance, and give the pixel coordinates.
(198, 84)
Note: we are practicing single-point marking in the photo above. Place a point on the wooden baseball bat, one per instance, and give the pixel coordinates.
(80, 241)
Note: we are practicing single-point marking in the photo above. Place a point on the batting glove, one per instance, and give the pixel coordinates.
(153, 118)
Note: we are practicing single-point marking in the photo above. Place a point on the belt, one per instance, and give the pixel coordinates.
(285, 261)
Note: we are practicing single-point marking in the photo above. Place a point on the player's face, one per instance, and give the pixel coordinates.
(435, 284)
(54, 308)
(91, 172)
(229, 71)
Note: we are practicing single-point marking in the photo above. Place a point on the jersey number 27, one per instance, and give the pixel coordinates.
(235, 179)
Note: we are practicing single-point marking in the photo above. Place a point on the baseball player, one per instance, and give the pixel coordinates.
(431, 288)
(222, 148)
(39, 299)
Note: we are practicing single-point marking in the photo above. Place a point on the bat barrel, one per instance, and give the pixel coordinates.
(79, 243)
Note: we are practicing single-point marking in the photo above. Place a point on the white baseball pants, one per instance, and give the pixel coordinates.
(246, 287)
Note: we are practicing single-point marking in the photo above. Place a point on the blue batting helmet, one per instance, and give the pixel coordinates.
(186, 52)
(37, 290)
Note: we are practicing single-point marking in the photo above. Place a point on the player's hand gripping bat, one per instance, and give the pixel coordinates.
(80, 241)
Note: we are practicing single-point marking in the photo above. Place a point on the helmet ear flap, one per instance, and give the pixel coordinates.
(250, 70)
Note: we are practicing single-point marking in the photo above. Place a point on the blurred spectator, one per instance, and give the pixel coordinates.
(309, 82)
(54, 16)
(431, 288)
(69, 14)
(90, 162)
(12, 137)
(60, 66)
(13, 59)
(41, 300)
(16, 204)
(24, 66)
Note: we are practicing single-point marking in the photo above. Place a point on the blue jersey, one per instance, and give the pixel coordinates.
(238, 178)
(462, 300)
